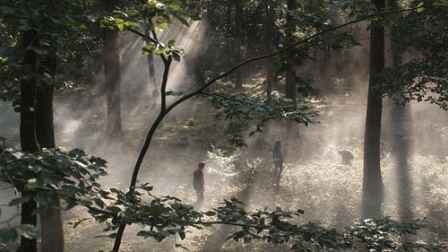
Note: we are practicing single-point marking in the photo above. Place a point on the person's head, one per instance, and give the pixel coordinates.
(201, 165)
(278, 144)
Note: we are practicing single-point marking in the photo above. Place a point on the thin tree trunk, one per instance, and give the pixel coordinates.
(290, 91)
(28, 138)
(52, 231)
(372, 181)
(292, 128)
(152, 75)
(400, 140)
(238, 50)
(112, 78)
(152, 79)
(268, 47)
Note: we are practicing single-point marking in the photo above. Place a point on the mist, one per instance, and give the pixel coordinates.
(314, 178)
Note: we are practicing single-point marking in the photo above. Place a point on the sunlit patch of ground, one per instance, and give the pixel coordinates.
(313, 180)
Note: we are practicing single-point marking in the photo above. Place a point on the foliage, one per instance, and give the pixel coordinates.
(159, 15)
(56, 175)
(423, 78)
(72, 176)
(226, 163)
(62, 29)
(240, 109)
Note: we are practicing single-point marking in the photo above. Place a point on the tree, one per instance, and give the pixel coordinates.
(400, 132)
(239, 47)
(127, 208)
(292, 131)
(112, 76)
(268, 26)
(372, 178)
(418, 79)
(28, 136)
(423, 78)
(36, 23)
(51, 220)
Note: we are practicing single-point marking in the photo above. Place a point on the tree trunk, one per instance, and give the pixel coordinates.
(112, 77)
(268, 47)
(52, 231)
(239, 43)
(152, 79)
(152, 75)
(290, 91)
(372, 181)
(292, 128)
(28, 138)
(400, 116)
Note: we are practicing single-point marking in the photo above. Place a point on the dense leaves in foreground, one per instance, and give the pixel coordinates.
(422, 78)
(71, 176)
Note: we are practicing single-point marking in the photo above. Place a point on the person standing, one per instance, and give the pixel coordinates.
(198, 184)
(278, 160)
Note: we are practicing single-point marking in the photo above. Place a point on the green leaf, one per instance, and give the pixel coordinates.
(39, 51)
(175, 56)
(28, 231)
(420, 7)
(99, 202)
(182, 20)
(7, 235)
(148, 49)
(19, 201)
(78, 222)
(210, 213)
(171, 42)
(36, 182)
(114, 209)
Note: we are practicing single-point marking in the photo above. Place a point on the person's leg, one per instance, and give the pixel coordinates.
(200, 196)
(280, 170)
(276, 164)
(198, 201)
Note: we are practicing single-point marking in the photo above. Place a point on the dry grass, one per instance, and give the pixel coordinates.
(313, 178)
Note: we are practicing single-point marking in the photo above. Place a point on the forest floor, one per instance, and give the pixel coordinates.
(313, 179)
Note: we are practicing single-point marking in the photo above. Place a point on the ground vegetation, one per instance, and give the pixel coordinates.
(58, 175)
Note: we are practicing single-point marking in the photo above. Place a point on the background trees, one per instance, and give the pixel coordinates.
(112, 75)
(41, 29)
(239, 108)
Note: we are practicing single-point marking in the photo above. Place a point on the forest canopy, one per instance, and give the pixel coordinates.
(243, 75)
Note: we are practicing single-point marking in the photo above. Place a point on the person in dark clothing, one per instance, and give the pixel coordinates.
(198, 184)
(278, 160)
(347, 156)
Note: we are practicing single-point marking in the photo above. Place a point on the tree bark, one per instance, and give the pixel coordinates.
(292, 128)
(152, 78)
(268, 47)
(28, 138)
(401, 142)
(112, 77)
(372, 196)
(52, 231)
(239, 43)
(152, 75)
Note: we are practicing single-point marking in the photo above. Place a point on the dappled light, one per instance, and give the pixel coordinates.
(316, 181)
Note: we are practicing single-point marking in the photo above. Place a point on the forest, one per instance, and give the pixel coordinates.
(108, 108)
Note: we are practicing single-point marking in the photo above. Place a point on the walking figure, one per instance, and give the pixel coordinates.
(198, 184)
(278, 160)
